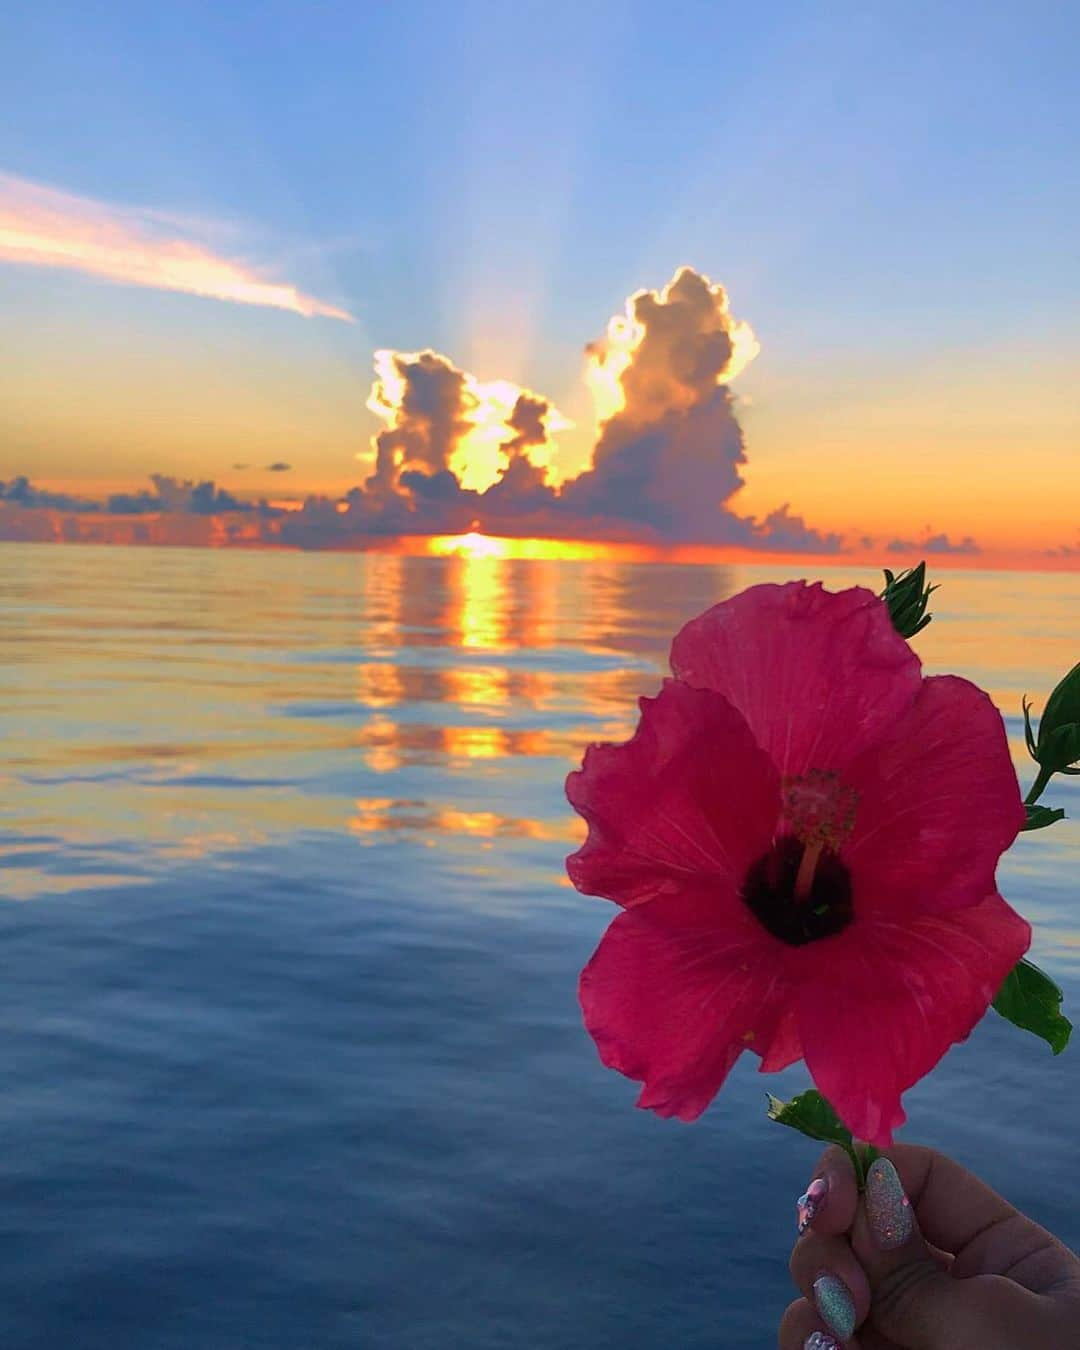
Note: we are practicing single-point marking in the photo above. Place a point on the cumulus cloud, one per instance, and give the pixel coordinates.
(933, 543)
(42, 226)
(455, 451)
(421, 396)
(670, 445)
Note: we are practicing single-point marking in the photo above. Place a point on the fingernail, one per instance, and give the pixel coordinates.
(887, 1207)
(809, 1204)
(835, 1304)
(821, 1340)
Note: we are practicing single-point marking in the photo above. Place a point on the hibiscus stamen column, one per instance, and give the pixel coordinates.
(820, 810)
(805, 877)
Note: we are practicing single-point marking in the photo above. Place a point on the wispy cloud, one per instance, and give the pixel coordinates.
(44, 227)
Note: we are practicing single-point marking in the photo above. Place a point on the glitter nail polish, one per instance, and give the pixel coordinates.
(821, 1340)
(809, 1204)
(887, 1207)
(835, 1304)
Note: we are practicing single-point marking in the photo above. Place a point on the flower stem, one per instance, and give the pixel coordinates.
(1042, 778)
(862, 1155)
(804, 880)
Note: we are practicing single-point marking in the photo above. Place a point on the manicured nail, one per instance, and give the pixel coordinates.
(821, 1340)
(835, 1304)
(887, 1207)
(809, 1205)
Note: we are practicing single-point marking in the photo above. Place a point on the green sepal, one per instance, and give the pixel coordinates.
(812, 1115)
(1029, 735)
(1038, 817)
(1032, 1001)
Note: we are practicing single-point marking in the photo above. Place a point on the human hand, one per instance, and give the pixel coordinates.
(957, 1268)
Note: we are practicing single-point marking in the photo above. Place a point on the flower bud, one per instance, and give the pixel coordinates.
(1058, 743)
(906, 599)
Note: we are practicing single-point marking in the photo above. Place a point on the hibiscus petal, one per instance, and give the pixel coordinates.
(819, 676)
(938, 803)
(690, 795)
(671, 1000)
(779, 1045)
(887, 999)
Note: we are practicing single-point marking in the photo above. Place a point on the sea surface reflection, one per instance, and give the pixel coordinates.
(292, 1051)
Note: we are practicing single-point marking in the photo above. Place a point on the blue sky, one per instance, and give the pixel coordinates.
(881, 188)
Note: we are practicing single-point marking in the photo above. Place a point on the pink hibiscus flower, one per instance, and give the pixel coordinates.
(803, 835)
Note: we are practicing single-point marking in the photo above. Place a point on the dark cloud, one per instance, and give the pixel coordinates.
(170, 495)
(790, 534)
(21, 492)
(933, 543)
(183, 495)
(278, 466)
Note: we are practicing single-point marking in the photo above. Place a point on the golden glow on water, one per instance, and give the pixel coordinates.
(478, 686)
(475, 545)
(481, 611)
(378, 685)
(205, 705)
(374, 815)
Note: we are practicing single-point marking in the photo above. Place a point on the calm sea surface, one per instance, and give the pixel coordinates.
(291, 1054)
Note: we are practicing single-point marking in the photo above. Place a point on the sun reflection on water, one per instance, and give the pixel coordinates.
(202, 704)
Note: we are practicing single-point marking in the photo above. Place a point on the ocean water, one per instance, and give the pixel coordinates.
(291, 1054)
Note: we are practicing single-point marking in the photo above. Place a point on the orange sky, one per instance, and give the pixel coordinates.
(979, 442)
(969, 446)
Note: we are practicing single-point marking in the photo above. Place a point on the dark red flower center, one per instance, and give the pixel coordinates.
(769, 892)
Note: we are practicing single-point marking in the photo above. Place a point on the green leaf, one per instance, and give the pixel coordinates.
(1038, 817)
(812, 1115)
(1032, 1001)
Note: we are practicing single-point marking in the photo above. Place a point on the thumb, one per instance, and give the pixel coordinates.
(915, 1302)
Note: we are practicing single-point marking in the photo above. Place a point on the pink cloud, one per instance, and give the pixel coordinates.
(44, 227)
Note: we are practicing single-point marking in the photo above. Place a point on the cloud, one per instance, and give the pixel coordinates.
(21, 492)
(933, 543)
(278, 466)
(44, 227)
(455, 453)
(176, 496)
(670, 445)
